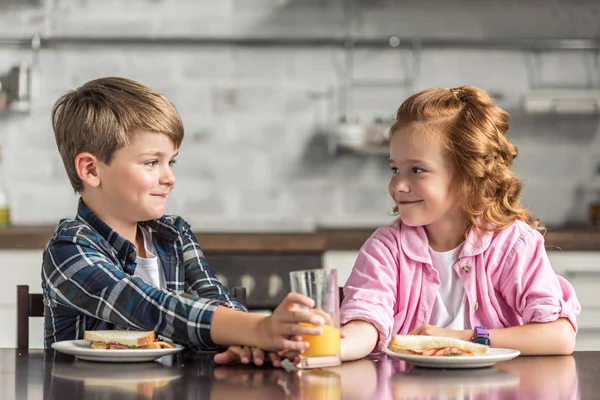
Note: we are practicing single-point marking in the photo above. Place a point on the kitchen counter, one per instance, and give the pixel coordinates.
(320, 240)
(39, 374)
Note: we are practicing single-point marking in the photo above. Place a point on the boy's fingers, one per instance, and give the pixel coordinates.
(294, 345)
(296, 298)
(297, 316)
(275, 360)
(298, 330)
(246, 355)
(226, 357)
(258, 356)
(326, 317)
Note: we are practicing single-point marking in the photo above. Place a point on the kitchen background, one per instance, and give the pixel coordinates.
(261, 120)
(286, 104)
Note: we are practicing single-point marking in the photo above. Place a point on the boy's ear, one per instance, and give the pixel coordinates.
(86, 165)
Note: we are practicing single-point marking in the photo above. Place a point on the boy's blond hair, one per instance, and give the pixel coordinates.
(103, 115)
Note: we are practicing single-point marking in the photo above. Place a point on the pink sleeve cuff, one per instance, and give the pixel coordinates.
(547, 312)
(354, 310)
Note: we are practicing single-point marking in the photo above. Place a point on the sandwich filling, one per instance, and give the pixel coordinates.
(125, 340)
(117, 346)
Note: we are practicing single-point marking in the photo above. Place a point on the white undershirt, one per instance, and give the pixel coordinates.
(149, 268)
(449, 308)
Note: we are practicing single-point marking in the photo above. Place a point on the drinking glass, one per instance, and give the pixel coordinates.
(321, 285)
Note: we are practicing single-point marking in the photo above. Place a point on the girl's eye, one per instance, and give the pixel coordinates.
(417, 170)
(151, 163)
(394, 170)
(172, 162)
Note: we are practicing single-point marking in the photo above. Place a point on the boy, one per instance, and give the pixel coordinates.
(122, 264)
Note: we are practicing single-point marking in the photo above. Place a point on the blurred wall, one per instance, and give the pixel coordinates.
(254, 156)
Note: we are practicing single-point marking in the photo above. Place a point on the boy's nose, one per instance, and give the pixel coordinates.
(168, 178)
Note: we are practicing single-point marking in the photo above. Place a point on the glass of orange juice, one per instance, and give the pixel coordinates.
(321, 285)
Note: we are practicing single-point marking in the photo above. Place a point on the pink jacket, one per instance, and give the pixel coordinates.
(506, 275)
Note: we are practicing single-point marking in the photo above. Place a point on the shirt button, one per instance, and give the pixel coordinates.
(466, 268)
(476, 306)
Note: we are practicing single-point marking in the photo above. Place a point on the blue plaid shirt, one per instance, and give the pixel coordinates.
(88, 283)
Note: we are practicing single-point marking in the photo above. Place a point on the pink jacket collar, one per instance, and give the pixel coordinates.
(415, 244)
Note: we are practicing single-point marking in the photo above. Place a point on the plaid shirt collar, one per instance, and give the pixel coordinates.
(162, 230)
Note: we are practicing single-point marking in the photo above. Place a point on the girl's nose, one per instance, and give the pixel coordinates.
(401, 185)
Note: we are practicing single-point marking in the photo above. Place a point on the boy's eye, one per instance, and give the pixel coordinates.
(394, 170)
(172, 162)
(151, 163)
(417, 170)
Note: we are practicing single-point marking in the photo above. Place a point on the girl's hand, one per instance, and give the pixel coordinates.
(246, 355)
(432, 330)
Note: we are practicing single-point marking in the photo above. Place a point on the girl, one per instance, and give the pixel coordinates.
(465, 259)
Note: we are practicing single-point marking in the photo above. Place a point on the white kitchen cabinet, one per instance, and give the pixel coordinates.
(19, 267)
(582, 269)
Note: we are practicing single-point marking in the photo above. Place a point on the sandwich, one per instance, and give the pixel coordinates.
(124, 340)
(435, 346)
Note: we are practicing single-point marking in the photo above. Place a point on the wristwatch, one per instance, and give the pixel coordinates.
(482, 336)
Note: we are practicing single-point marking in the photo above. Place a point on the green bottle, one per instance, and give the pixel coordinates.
(4, 208)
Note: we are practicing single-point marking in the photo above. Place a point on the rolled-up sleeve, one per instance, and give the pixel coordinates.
(370, 291)
(78, 275)
(530, 285)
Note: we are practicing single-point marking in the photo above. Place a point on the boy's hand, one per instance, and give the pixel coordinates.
(245, 355)
(275, 332)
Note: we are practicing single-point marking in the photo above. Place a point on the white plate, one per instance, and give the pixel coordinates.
(81, 349)
(493, 356)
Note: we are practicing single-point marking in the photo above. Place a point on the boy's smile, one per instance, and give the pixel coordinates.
(136, 183)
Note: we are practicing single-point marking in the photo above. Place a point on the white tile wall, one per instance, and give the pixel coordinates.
(253, 116)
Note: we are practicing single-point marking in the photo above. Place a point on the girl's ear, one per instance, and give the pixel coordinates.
(86, 165)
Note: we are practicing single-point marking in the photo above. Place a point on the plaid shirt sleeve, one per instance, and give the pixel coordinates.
(200, 279)
(79, 273)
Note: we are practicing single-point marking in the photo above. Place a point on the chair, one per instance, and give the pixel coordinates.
(28, 305)
(239, 292)
(32, 305)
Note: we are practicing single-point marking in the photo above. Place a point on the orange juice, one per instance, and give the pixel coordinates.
(326, 344)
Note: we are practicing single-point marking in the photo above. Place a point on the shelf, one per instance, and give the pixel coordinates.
(382, 42)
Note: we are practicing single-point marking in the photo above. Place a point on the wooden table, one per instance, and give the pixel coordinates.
(39, 374)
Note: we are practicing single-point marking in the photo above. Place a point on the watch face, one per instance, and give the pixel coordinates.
(482, 340)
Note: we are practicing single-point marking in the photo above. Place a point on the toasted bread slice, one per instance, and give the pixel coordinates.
(419, 344)
(125, 338)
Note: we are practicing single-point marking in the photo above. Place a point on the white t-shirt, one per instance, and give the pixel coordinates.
(149, 268)
(449, 309)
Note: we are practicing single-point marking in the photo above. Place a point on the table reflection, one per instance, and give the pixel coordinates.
(381, 378)
(119, 380)
(420, 383)
(351, 380)
(521, 378)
